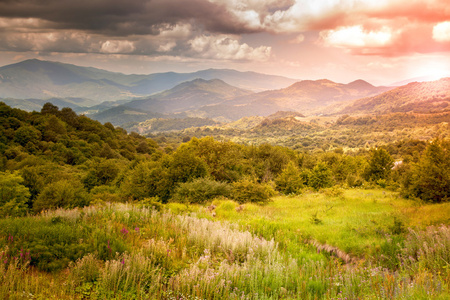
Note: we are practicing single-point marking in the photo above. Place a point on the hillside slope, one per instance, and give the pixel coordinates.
(422, 97)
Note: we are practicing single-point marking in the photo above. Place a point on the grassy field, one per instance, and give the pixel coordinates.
(290, 248)
(355, 221)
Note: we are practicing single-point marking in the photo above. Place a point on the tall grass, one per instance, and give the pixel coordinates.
(172, 256)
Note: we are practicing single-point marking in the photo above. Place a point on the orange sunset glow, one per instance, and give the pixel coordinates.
(380, 41)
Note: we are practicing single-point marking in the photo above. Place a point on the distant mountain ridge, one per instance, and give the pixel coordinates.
(215, 99)
(421, 97)
(185, 99)
(45, 79)
(310, 96)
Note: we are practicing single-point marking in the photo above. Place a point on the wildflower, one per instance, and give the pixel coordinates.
(124, 231)
(136, 229)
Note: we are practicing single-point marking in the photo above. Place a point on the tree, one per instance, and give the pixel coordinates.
(290, 180)
(380, 165)
(320, 176)
(185, 166)
(13, 195)
(49, 108)
(148, 179)
(26, 134)
(429, 179)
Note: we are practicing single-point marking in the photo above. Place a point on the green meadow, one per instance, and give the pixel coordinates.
(333, 244)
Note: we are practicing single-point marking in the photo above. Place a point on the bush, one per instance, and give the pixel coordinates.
(52, 243)
(290, 180)
(63, 193)
(201, 190)
(247, 190)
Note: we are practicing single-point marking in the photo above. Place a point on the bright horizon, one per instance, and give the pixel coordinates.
(380, 41)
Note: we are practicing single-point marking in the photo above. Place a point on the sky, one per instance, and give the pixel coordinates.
(381, 41)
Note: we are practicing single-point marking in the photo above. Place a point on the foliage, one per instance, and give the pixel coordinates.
(63, 193)
(201, 190)
(320, 176)
(380, 165)
(429, 178)
(147, 179)
(290, 180)
(13, 195)
(248, 190)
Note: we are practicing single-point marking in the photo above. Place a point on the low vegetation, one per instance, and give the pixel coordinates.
(89, 211)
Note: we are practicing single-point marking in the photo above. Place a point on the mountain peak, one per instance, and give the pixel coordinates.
(360, 84)
(324, 81)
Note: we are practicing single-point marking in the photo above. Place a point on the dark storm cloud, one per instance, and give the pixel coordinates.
(123, 18)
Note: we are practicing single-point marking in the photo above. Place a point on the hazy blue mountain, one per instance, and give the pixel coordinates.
(36, 104)
(43, 79)
(122, 114)
(39, 79)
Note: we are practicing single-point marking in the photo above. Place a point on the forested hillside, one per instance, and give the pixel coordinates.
(90, 211)
(59, 159)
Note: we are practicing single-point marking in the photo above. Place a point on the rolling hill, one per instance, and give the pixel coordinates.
(420, 97)
(188, 96)
(183, 100)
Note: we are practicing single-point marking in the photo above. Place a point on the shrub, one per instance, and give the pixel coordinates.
(247, 190)
(86, 269)
(63, 193)
(201, 190)
(429, 249)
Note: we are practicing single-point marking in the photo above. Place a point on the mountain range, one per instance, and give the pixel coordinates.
(218, 100)
(204, 97)
(45, 79)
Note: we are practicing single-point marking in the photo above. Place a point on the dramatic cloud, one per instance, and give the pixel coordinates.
(357, 37)
(224, 47)
(441, 32)
(281, 33)
(358, 25)
(117, 47)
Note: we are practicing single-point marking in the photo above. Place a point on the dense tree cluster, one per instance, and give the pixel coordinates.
(55, 158)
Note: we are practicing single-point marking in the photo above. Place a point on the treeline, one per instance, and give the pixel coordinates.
(55, 158)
